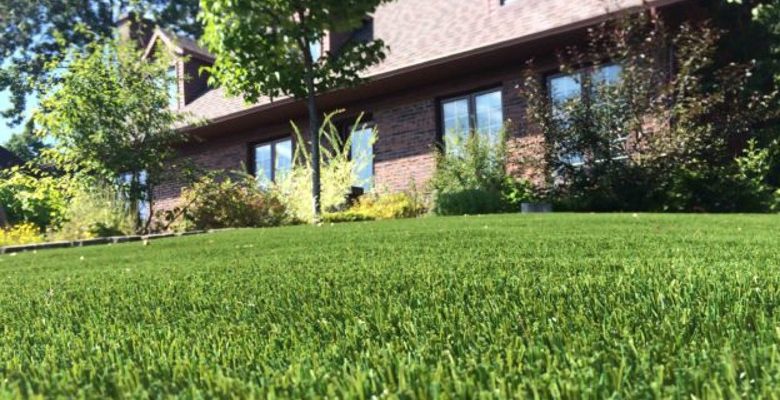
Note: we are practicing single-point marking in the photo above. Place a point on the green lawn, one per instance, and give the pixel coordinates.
(498, 306)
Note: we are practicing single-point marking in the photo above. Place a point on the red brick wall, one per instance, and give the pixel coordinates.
(224, 154)
(525, 144)
(408, 129)
(404, 151)
(221, 156)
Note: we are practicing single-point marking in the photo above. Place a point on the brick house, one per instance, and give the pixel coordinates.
(450, 62)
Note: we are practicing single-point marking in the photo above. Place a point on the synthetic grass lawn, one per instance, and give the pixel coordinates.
(570, 306)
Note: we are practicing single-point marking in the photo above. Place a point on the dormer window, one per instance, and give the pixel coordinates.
(173, 88)
(362, 34)
(315, 49)
(365, 33)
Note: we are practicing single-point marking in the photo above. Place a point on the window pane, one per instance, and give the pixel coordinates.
(315, 49)
(173, 88)
(604, 93)
(572, 158)
(456, 120)
(490, 116)
(603, 82)
(564, 88)
(283, 162)
(144, 206)
(263, 163)
(362, 153)
(607, 75)
(365, 33)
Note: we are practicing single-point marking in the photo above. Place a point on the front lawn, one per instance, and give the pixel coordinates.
(497, 306)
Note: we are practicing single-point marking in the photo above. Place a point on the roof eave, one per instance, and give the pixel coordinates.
(563, 29)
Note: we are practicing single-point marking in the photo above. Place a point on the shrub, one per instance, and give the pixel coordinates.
(337, 174)
(231, 202)
(743, 185)
(381, 206)
(345, 216)
(25, 233)
(95, 210)
(468, 201)
(471, 178)
(33, 197)
(390, 206)
(753, 177)
(776, 201)
(641, 138)
(623, 187)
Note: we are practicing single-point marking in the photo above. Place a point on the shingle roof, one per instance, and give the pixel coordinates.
(215, 103)
(417, 32)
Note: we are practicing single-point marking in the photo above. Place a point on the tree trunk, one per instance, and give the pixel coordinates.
(314, 120)
(3, 218)
(314, 131)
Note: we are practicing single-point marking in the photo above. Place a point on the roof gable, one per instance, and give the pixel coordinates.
(179, 45)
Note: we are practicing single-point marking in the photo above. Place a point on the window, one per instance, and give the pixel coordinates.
(365, 33)
(362, 34)
(564, 88)
(507, 2)
(315, 49)
(587, 84)
(481, 113)
(362, 154)
(143, 206)
(173, 88)
(271, 160)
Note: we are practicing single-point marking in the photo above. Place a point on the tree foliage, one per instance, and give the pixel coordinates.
(35, 197)
(761, 38)
(26, 144)
(33, 33)
(109, 116)
(264, 49)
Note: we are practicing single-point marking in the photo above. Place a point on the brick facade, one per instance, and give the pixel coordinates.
(408, 133)
(428, 61)
(404, 151)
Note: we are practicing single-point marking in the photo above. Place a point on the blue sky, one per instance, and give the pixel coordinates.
(5, 131)
(5, 103)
